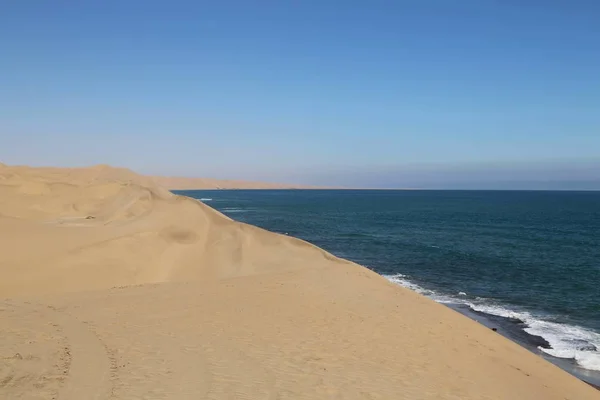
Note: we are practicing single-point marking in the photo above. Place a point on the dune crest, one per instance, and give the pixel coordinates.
(112, 227)
(114, 288)
(181, 183)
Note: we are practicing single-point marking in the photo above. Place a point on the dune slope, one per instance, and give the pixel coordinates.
(114, 288)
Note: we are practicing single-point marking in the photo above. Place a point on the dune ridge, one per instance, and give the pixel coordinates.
(114, 288)
(181, 183)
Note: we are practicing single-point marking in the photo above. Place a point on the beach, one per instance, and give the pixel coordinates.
(505, 259)
(112, 287)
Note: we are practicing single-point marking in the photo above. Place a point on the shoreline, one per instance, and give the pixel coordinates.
(135, 292)
(513, 329)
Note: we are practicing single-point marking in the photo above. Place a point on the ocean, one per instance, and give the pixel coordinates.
(524, 263)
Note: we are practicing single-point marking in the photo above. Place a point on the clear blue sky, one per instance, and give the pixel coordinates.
(428, 93)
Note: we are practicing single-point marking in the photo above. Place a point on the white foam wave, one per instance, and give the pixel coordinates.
(567, 341)
(205, 199)
(402, 280)
(233, 210)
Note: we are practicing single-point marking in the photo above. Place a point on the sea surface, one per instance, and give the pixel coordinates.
(525, 263)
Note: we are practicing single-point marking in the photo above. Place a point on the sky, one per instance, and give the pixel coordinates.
(406, 93)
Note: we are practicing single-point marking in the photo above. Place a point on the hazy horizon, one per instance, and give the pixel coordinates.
(426, 177)
(414, 94)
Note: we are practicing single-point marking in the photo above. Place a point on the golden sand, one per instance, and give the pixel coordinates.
(178, 183)
(113, 288)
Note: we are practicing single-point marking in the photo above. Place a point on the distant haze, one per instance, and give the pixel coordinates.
(556, 175)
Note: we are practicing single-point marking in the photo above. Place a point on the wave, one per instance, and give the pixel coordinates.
(205, 199)
(233, 210)
(566, 341)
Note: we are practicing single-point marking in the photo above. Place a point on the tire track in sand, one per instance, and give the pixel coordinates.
(90, 368)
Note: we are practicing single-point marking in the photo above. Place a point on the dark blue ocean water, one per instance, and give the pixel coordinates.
(534, 256)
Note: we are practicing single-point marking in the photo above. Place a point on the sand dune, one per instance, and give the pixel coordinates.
(116, 289)
(179, 183)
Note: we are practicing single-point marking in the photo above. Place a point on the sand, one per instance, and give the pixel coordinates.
(113, 288)
(180, 183)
